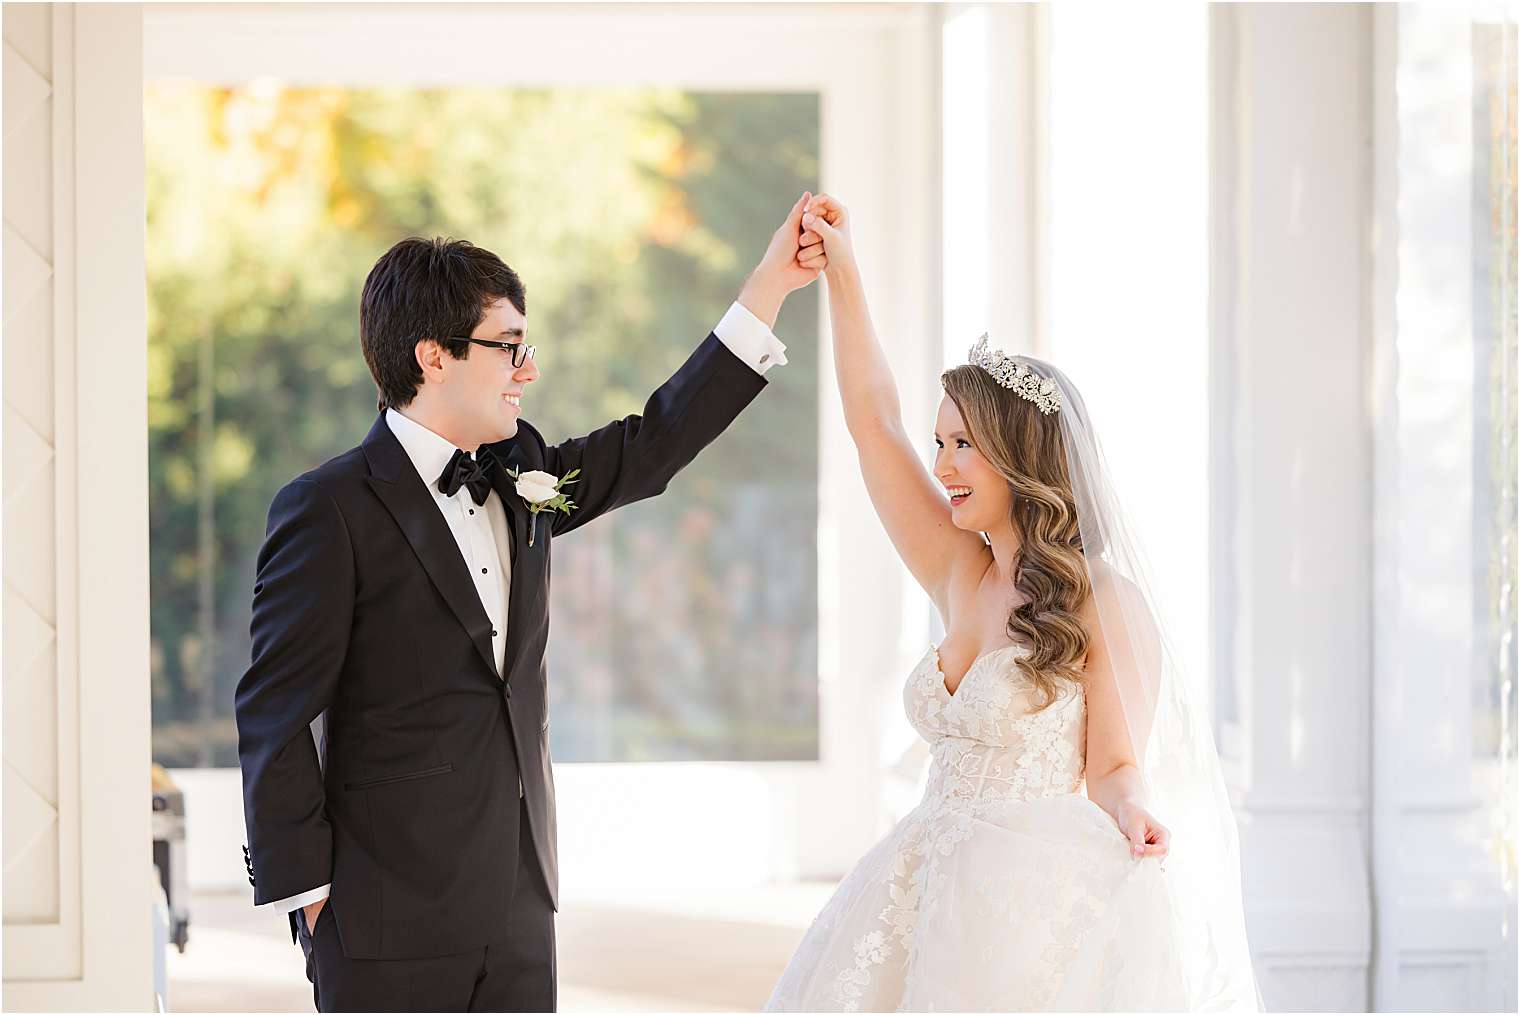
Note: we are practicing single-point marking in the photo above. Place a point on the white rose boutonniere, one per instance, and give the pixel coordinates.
(543, 492)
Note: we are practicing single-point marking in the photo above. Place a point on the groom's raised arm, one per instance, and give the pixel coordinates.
(303, 598)
(636, 457)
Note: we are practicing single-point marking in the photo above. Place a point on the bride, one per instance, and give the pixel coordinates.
(1040, 871)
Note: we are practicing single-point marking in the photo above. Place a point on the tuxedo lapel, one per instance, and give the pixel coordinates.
(401, 490)
(509, 454)
(526, 559)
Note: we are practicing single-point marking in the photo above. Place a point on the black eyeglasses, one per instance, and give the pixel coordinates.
(520, 353)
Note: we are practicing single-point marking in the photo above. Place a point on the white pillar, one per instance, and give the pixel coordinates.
(1292, 458)
(1129, 273)
(77, 856)
(995, 218)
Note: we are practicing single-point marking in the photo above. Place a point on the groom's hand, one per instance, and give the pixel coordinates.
(782, 269)
(311, 912)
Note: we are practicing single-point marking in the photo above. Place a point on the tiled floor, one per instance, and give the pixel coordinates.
(697, 952)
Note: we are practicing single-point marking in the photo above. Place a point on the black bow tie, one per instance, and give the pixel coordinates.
(474, 473)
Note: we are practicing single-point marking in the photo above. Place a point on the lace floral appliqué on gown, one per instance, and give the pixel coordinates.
(1005, 889)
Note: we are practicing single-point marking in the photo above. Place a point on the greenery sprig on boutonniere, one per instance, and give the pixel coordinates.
(542, 492)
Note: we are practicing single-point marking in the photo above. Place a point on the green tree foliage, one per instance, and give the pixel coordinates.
(632, 216)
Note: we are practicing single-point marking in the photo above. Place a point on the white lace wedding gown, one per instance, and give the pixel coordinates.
(1005, 889)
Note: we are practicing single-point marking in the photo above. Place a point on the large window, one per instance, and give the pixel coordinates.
(1495, 476)
(1447, 767)
(684, 627)
(1494, 403)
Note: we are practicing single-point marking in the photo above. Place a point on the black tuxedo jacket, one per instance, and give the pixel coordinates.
(362, 607)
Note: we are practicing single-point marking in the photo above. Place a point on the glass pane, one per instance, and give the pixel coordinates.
(1494, 254)
(1495, 475)
(683, 627)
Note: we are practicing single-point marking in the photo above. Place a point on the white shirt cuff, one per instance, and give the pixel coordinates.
(297, 901)
(748, 338)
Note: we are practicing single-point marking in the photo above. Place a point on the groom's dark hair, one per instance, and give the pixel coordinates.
(419, 289)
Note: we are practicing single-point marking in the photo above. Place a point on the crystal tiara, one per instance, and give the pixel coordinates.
(1016, 376)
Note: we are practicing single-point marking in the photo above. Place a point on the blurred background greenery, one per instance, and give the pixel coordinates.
(684, 627)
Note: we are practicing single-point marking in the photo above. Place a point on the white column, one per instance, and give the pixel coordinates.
(994, 106)
(1292, 173)
(1129, 270)
(77, 859)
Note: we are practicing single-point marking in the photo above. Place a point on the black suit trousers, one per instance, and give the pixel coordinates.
(514, 972)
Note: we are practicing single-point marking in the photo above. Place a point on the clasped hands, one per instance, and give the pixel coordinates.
(814, 233)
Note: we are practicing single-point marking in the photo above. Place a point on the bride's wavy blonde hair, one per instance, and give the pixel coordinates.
(1025, 446)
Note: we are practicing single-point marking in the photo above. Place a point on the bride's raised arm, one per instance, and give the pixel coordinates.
(911, 504)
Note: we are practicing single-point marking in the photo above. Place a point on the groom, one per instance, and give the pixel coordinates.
(402, 589)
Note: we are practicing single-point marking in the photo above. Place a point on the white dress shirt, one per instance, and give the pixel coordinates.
(482, 533)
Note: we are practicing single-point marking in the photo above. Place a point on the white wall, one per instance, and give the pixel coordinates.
(78, 871)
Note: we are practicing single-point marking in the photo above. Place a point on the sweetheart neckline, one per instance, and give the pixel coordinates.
(933, 648)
